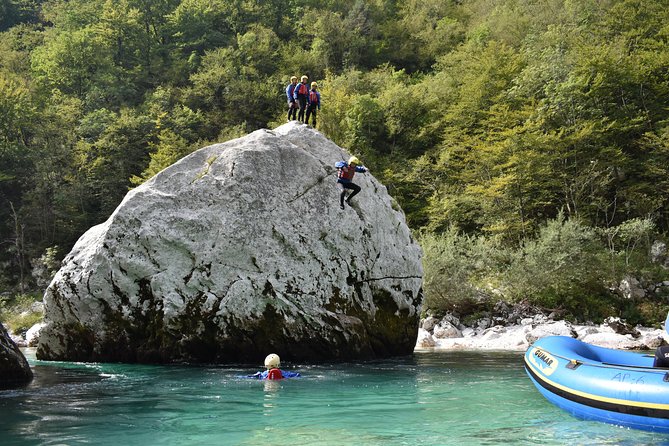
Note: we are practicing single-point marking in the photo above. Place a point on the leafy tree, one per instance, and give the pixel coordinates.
(72, 62)
(365, 123)
(487, 120)
(199, 25)
(16, 110)
(16, 115)
(123, 148)
(45, 267)
(14, 12)
(169, 149)
(234, 83)
(427, 30)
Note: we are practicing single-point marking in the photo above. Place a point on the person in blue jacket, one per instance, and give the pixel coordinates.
(345, 172)
(313, 103)
(292, 105)
(272, 372)
(301, 95)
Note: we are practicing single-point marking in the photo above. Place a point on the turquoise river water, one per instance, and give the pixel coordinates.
(431, 398)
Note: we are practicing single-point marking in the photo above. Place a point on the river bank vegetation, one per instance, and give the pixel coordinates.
(527, 141)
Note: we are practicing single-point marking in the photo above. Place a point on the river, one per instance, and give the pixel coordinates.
(431, 398)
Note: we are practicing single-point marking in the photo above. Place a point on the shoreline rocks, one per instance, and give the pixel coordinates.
(612, 333)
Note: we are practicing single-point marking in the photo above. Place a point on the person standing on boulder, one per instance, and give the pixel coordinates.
(292, 106)
(301, 95)
(314, 102)
(345, 173)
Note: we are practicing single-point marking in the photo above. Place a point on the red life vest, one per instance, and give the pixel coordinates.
(302, 89)
(274, 374)
(313, 97)
(346, 172)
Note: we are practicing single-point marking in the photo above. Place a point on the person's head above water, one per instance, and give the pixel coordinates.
(272, 361)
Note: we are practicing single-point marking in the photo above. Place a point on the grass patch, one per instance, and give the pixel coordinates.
(16, 312)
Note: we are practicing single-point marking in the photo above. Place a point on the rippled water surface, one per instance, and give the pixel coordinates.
(444, 398)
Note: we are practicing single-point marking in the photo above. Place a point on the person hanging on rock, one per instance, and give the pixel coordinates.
(272, 364)
(292, 105)
(301, 95)
(345, 173)
(313, 103)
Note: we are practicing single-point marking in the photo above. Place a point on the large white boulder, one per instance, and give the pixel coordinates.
(238, 250)
(557, 328)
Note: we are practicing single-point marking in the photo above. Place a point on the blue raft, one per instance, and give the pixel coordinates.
(595, 383)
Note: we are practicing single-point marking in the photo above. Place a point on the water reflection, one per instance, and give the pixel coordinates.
(271, 387)
(271, 394)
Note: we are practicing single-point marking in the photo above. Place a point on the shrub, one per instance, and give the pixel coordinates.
(16, 314)
(567, 266)
(558, 268)
(454, 264)
(650, 314)
(20, 323)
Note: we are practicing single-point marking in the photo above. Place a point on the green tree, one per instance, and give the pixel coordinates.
(202, 24)
(169, 149)
(14, 12)
(107, 164)
(235, 84)
(72, 62)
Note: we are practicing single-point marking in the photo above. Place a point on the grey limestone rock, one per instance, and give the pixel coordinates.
(235, 251)
(558, 328)
(446, 330)
(631, 288)
(621, 327)
(429, 323)
(658, 252)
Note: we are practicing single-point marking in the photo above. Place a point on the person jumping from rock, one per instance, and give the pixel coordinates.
(345, 172)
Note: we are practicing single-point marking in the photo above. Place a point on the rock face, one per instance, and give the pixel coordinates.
(14, 368)
(238, 250)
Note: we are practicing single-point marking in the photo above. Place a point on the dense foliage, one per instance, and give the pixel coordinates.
(491, 121)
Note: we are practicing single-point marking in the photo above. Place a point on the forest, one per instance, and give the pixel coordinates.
(526, 140)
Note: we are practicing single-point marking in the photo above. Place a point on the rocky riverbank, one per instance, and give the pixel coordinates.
(505, 328)
(517, 330)
(448, 333)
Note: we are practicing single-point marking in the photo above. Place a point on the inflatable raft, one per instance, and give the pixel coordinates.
(595, 383)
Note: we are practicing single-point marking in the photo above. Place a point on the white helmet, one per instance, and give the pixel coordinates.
(272, 361)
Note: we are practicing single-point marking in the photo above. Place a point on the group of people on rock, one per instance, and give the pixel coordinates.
(301, 97)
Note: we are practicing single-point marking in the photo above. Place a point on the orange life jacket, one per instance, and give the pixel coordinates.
(346, 172)
(302, 89)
